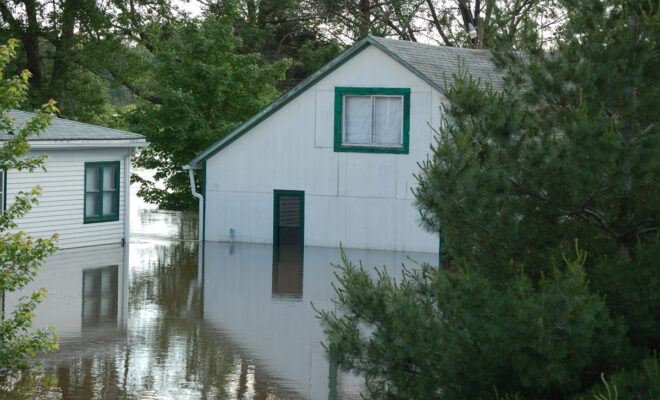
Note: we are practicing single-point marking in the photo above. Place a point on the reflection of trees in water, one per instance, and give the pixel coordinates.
(167, 349)
(186, 224)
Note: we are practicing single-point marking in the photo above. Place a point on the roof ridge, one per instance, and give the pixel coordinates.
(434, 46)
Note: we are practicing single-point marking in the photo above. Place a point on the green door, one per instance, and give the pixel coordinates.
(289, 218)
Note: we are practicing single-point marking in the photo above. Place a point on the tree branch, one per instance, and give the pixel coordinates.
(436, 23)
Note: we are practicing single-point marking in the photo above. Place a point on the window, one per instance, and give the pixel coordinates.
(101, 191)
(374, 120)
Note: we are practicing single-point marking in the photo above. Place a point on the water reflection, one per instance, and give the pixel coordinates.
(288, 272)
(154, 320)
(100, 297)
(244, 303)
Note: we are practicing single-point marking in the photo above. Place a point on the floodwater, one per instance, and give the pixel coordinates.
(160, 319)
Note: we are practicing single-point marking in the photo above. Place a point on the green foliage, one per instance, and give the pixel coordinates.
(34, 384)
(206, 90)
(566, 148)
(457, 334)
(641, 383)
(20, 254)
(444, 21)
(571, 153)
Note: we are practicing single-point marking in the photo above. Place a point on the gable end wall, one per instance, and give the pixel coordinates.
(361, 200)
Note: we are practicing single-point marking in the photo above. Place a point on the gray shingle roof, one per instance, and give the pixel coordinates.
(438, 62)
(64, 129)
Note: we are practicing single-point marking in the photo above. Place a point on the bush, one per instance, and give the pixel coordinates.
(639, 384)
(458, 334)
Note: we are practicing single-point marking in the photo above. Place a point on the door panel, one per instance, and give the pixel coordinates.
(289, 216)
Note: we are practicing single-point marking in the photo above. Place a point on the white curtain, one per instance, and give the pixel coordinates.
(109, 178)
(109, 187)
(357, 119)
(389, 120)
(92, 179)
(92, 199)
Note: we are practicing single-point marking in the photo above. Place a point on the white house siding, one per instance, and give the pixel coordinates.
(362, 200)
(62, 275)
(61, 205)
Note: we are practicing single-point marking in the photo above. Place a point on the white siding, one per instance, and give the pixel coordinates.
(61, 206)
(362, 200)
(62, 275)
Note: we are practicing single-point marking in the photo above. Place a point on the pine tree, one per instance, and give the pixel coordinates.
(546, 194)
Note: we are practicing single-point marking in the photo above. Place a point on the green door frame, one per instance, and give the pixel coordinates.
(276, 215)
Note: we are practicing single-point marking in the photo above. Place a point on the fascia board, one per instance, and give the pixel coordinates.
(84, 144)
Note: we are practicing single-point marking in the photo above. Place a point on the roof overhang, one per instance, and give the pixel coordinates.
(85, 144)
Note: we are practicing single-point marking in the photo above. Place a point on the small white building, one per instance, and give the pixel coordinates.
(85, 188)
(333, 160)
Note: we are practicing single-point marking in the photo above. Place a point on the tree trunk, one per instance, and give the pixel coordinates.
(30, 40)
(365, 14)
(31, 45)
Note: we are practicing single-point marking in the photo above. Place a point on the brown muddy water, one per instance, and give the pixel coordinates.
(160, 319)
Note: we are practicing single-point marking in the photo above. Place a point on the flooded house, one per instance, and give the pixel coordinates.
(334, 159)
(85, 187)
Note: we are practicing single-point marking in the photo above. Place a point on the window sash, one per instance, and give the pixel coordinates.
(375, 139)
(101, 200)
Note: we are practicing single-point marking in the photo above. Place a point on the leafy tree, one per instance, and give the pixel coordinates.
(205, 90)
(20, 254)
(61, 43)
(568, 150)
(447, 22)
(277, 30)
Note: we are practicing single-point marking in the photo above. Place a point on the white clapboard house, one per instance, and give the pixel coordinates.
(85, 188)
(332, 160)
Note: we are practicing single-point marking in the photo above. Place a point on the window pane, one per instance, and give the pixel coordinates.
(92, 179)
(91, 204)
(109, 203)
(389, 119)
(357, 119)
(109, 182)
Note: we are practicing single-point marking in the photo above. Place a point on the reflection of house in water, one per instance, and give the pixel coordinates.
(243, 299)
(288, 272)
(100, 296)
(86, 292)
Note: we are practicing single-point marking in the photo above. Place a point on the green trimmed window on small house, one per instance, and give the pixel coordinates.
(372, 120)
(101, 191)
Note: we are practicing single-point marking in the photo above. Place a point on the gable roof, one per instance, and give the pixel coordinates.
(61, 129)
(429, 62)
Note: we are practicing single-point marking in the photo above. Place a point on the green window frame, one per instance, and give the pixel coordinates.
(340, 144)
(107, 190)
